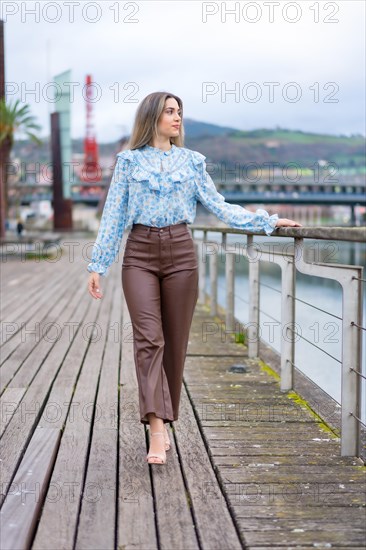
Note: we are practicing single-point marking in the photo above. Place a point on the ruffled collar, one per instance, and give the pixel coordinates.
(158, 150)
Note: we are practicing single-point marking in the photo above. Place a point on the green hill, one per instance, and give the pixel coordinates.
(229, 145)
(282, 146)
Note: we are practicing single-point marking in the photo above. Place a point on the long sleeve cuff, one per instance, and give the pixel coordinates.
(269, 224)
(97, 268)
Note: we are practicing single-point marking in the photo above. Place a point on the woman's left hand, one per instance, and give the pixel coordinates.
(285, 222)
(94, 285)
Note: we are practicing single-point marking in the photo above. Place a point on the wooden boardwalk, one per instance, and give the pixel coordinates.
(250, 466)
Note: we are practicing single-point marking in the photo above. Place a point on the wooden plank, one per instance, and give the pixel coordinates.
(236, 448)
(345, 475)
(223, 412)
(250, 415)
(311, 524)
(172, 504)
(136, 517)
(261, 494)
(315, 539)
(296, 461)
(98, 508)
(8, 404)
(23, 502)
(293, 512)
(214, 524)
(268, 438)
(310, 483)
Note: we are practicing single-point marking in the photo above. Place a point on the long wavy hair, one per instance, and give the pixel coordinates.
(145, 127)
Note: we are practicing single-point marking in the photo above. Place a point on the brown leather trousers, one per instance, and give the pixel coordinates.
(160, 285)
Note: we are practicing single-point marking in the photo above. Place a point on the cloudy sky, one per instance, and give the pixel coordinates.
(298, 65)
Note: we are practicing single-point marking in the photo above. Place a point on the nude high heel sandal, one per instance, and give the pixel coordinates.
(166, 437)
(151, 457)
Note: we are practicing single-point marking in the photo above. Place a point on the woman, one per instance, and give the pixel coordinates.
(154, 190)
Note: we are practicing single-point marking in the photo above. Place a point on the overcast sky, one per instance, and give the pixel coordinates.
(311, 51)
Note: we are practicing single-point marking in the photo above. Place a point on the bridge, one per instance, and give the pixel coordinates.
(349, 191)
(261, 456)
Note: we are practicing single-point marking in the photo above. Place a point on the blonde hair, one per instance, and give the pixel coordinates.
(145, 126)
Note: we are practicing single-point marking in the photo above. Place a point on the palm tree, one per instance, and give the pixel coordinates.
(13, 118)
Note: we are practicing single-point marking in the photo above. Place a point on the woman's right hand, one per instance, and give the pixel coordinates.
(285, 222)
(94, 285)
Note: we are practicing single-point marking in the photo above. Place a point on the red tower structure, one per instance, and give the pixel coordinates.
(90, 171)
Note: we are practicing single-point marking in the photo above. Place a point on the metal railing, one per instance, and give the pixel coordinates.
(350, 278)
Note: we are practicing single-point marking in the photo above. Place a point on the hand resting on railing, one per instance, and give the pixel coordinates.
(285, 222)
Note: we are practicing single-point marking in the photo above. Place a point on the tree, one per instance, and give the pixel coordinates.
(13, 117)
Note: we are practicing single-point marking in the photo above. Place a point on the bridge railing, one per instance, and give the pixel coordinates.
(350, 278)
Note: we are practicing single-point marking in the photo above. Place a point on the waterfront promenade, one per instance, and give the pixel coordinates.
(251, 465)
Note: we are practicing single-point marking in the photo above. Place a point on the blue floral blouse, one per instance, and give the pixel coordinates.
(159, 188)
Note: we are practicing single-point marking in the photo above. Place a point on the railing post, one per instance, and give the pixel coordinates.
(349, 277)
(287, 322)
(213, 283)
(201, 249)
(230, 289)
(351, 359)
(253, 328)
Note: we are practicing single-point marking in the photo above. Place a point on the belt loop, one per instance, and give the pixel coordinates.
(148, 231)
(170, 231)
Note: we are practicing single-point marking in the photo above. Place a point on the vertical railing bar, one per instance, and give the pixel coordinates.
(213, 283)
(201, 271)
(351, 342)
(287, 322)
(230, 289)
(253, 327)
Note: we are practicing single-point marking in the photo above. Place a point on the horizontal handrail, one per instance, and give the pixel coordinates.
(353, 234)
